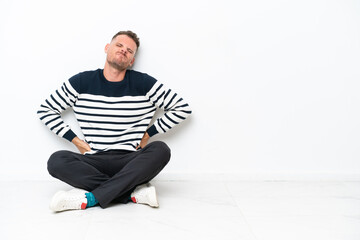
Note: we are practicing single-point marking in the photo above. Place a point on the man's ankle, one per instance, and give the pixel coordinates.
(91, 200)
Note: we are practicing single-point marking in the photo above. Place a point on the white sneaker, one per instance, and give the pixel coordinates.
(70, 200)
(145, 194)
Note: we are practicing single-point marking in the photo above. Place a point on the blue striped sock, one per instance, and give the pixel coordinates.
(91, 200)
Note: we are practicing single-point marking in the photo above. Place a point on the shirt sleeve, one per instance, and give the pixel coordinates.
(50, 110)
(175, 107)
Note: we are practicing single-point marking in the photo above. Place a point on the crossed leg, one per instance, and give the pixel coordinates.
(111, 176)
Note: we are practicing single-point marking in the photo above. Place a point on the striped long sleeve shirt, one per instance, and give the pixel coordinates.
(113, 115)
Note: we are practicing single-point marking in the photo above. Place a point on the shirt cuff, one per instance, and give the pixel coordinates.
(152, 131)
(69, 135)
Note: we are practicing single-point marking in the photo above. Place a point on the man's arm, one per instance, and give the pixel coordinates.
(50, 114)
(176, 108)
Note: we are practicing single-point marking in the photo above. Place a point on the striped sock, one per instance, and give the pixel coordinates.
(91, 200)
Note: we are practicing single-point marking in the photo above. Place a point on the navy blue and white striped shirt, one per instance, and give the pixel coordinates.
(113, 115)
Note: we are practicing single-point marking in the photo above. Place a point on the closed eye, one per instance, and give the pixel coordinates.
(128, 49)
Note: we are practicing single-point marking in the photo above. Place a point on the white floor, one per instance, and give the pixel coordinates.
(191, 210)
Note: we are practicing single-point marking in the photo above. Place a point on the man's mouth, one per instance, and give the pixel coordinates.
(119, 53)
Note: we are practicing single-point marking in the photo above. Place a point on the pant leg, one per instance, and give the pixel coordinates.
(80, 171)
(141, 167)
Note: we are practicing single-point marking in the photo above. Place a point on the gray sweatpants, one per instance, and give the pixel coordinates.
(111, 175)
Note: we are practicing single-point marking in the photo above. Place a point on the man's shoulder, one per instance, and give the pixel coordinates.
(140, 76)
(142, 79)
(80, 81)
(87, 74)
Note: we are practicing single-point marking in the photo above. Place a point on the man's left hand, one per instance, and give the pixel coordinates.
(143, 141)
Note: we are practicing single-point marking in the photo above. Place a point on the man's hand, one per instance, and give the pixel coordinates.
(81, 145)
(144, 141)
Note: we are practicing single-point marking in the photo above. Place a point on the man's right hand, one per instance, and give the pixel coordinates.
(81, 145)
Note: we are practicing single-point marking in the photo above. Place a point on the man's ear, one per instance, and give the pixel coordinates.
(106, 47)
(132, 62)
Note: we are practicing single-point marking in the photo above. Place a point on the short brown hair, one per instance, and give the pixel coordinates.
(130, 34)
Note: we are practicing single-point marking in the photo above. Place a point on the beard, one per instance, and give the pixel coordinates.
(119, 65)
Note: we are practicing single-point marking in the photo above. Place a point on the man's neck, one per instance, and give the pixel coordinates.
(113, 75)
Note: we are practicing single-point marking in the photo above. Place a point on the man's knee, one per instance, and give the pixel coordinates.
(55, 162)
(162, 149)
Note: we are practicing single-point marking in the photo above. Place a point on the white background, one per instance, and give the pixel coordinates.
(273, 85)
